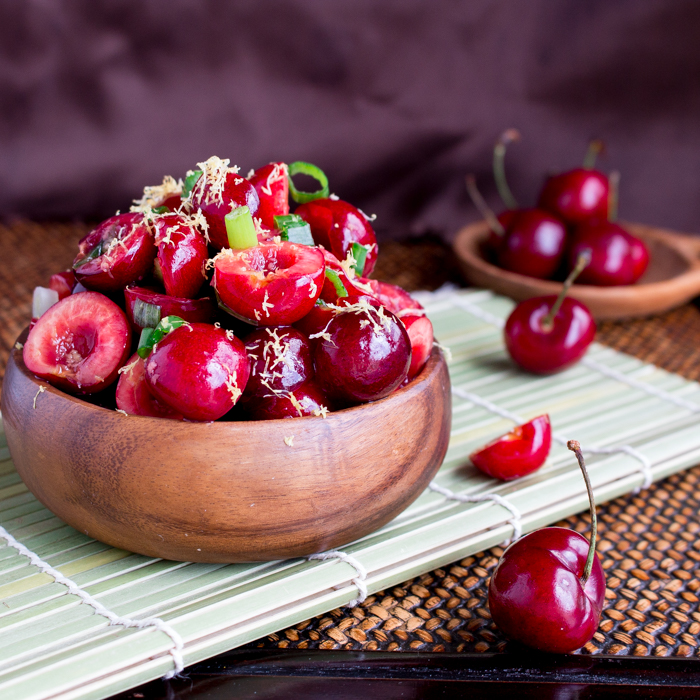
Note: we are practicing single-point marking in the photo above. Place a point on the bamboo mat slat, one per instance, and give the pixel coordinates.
(52, 645)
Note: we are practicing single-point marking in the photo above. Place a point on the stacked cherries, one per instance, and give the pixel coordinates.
(575, 214)
(210, 299)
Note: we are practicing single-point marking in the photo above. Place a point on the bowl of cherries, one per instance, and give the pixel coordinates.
(218, 379)
(634, 270)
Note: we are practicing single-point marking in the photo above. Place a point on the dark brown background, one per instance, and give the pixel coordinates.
(395, 99)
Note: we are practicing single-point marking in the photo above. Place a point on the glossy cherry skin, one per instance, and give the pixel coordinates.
(364, 356)
(521, 451)
(271, 284)
(533, 243)
(79, 344)
(133, 395)
(129, 251)
(280, 360)
(307, 399)
(236, 192)
(336, 225)
(392, 296)
(617, 257)
(63, 283)
(354, 285)
(191, 310)
(536, 596)
(272, 186)
(199, 371)
(420, 333)
(545, 352)
(576, 196)
(182, 253)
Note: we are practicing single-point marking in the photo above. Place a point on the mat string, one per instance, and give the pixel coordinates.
(358, 580)
(178, 644)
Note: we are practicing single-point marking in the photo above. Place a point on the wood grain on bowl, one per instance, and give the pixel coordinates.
(227, 491)
(672, 278)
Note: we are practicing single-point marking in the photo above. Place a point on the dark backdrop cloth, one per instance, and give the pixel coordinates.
(395, 99)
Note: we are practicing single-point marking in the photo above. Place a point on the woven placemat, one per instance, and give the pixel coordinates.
(648, 542)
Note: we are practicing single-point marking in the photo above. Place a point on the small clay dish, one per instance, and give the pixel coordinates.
(672, 278)
(226, 491)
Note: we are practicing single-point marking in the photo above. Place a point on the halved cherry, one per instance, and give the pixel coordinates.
(182, 252)
(521, 451)
(307, 399)
(349, 281)
(420, 332)
(392, 296)
(271, 284)
(79, 344)
(118, 252)
(133, 395)
(63, 283)
(198, 370)
(191, 310)
(217, 191)
(271, 184)
(336, 225)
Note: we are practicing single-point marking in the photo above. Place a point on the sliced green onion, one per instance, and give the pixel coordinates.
(146, 315)
(299, 167)
(161, 210)
(190, 181)
(240, 228)
(145, 344)
(151, 336)
(335, 280)
(359, 252)
(94, 253)
(294, 229)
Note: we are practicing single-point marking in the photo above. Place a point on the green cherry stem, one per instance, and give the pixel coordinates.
(583, 259)
(499, 169)
(484, 209)
(575, 447)
(595, 148)
(614, 180)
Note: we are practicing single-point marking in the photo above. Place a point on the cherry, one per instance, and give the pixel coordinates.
(420, 333)
(63, 283)
(346, 278)
(200, 371)
(217, 191)
(166, 196)
(548, 589)
(617, 257)
(336, 225)
(79, 344)
(521, 451)
(364, 354)
(191, 310)
(548, 334)
(182, 253)
(271, 284)
(580, 194)
(133, 395)
(392, 296)
(118, 252)
(272, 186)
(308, 399)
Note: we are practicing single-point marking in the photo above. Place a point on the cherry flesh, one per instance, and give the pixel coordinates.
(272, 186)
(133, 395)
(548, 589)
(364, 354)
(308, 399)
(191, 310)
(271, 284)
(118, 252)
(521, 451)
(420, 333)
(577, 195)
(79, 344)
(198, 370)
(336, 225)
(182, 253)
(617, 257)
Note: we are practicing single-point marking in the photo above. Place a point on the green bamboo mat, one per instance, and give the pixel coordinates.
(54, 646)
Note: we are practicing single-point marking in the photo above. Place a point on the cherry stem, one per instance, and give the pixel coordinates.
(575, 447)
(480, 203)
(595, 148)
(614, 180)
(499, 170)
(583, 259)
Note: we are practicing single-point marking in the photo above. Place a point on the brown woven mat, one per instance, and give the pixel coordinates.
(649, 543)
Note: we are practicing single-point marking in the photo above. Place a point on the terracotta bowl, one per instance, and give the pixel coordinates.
(672, 278)
(225, 491)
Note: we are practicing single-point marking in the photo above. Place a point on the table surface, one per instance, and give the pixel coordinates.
(440, 621)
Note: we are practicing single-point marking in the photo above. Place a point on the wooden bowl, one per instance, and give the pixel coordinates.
(672, 279)
(226, 491)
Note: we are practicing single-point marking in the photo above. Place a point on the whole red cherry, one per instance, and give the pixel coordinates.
(308, 399)
(548, 589)
(521, 451)
(272, 186)
(617, 257)
(548, 334)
